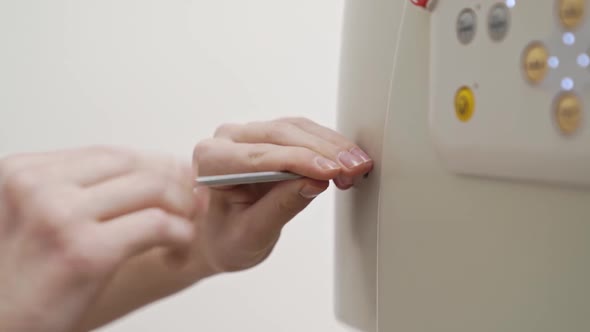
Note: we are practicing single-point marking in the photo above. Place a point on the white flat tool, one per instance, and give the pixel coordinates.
(245, 178)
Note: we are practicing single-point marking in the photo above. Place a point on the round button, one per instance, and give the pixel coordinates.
(571, 13)
(466, 26)
(568, 113)
(498, 22)
(583, 60)
(534, 63)
(464, 104)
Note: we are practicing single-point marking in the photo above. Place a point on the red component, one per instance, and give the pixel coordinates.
(423, 3)
(420, 3)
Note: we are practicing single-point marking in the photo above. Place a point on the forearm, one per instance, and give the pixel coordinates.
(141, 281)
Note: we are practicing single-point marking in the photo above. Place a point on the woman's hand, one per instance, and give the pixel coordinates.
(69, 219)
(244, 222)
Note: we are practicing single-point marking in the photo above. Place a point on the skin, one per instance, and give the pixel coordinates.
(96, 233)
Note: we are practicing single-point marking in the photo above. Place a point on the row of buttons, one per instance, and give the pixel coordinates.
(498, 24)
(571, 15)
(536, 62)
(567, 109)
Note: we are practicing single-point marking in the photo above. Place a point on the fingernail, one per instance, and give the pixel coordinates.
(310, 192)
(361, 154)
(343, 182)
(326, 164)
(349, 160)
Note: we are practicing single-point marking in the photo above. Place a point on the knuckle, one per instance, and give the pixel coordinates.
(51, 237)
(159, 220)
(171, 165)
(294, 159)
(204, 156)
(79, 259)
(51, 211)
(48, 233)
(76, 253)
(156, 215)
(225, 129)
(124, 157)
(256, 157)
(296, 120)
(19, 184)
(203, 148)
(157, 189)
(276, 130)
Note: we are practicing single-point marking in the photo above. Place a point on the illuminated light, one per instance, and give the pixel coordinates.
(569, 38)
(567, 84)
(553, 62)
(583, 60)
(510, 3)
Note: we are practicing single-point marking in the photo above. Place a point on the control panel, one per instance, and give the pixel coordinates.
(510, 88)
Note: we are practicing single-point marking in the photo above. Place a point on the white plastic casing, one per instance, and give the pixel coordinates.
(420, 248)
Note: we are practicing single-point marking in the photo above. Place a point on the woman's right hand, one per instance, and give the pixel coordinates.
(68, 219)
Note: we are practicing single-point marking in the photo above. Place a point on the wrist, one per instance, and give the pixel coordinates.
(200, 265)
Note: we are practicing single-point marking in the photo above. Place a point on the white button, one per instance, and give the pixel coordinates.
(584, 60)
(553, 62)
(567, 84)
(569, 38)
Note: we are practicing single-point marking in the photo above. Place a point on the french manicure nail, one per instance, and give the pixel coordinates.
(361, 154)
(349, 160)
(326, 164)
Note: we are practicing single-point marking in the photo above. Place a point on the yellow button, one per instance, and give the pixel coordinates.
(534, 62)
(568, 113)
(571, 13)
(464, 104)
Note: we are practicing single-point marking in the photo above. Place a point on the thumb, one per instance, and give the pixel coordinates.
(283, 202)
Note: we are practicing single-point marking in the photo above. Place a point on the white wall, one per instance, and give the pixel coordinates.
(161, 75)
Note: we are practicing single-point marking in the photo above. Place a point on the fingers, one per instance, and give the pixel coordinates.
(263, 221)
(323, 132)
(278, 133)
(319, 139)
(345, 180)
(83, 166)
(300, 132)
(138, 191)
(219, 156)
(92, 165)
(140, 231)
